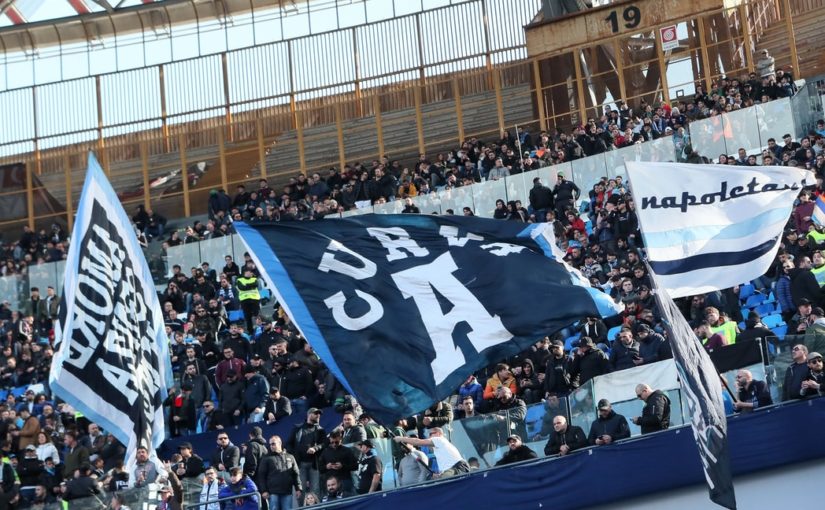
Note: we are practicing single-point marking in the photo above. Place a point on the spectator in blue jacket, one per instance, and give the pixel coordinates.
(242, 487)
(472, 388)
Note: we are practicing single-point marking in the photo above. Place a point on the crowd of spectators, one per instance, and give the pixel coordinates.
(236, 364)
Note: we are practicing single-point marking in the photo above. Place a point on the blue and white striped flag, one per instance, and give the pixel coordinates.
(111, 358)
(711, 227)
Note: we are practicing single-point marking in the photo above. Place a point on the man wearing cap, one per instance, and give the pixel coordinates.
(370, 468)
(516, 451)
(182, 410)
(564, 438)
(192, 465)
(609, 426)
(249, 296)
(752, 394)
(565, 193)
(652, 346)
(306, 442)
(557, 378)
(278, 475)
(799, 321)
(812, 385)
(816, 327)
(255, 394)
(588, 362)
(231, 399)
(29, 467)
(277, 406)
(338, 460)
(168, 501)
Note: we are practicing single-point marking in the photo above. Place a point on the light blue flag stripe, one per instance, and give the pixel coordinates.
(730, 231)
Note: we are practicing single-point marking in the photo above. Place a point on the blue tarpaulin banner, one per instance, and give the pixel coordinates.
(402, 308)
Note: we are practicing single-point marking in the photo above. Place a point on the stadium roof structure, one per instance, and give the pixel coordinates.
(27, 25)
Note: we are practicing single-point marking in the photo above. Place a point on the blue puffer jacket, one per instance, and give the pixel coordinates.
(244, 486)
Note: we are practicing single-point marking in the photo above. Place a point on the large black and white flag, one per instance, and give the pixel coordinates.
(702, 391)
(111, 361)
(402, 308)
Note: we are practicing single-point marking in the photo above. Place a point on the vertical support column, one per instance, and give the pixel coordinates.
(539, 95)
(459, 112)
(703, 43)
(259, 129)
(379, 123)
(228, 112)
(164, 127)
(577, 66)
(419, 120)
(662, 67)
(786, 6)
(356, 58)
(302, 159)
(222, 158)
(144, 166)
(30, 195)
(184, 174)
(293, 107)
(745, 26)
(339, 128)
(496, 77)
(99, 103)
(617, 51)
(67, 174)
(486, 27)
(419, 34)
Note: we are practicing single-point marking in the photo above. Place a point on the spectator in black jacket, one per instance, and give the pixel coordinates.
(609, 426)
(81, 486)
(337, 460)
(192, 465)
(752, 394)
(625, 351)
(566, 193)
(795, 373)
(557, 379)
(254, 450)
(656, 413)
(652, 346)
(278, 475)
(588, 362)
(564, 438)
(594, 328)
(306, 443)
(516, 452)
(226, 455)
(231, 399)
(541, 199)
(277, 406)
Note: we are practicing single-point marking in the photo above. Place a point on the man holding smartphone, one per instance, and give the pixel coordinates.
(609, 426)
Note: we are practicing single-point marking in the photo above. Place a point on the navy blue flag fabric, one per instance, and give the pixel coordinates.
(702, 392)
(402, 308)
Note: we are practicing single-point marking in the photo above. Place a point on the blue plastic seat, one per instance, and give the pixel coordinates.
(613, 332)
(746, 291)
(755, 300)
(780, 331)
(765, 309)
(235, 315)
(568, 342)
(773, 320)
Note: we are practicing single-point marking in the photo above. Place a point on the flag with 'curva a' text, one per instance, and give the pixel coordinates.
(111, 359)
(402, 308)
(711, 227)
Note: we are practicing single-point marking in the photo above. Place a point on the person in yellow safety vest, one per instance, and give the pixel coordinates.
(818, 268)
(710, 339)
(719, 324)
(249, 297)
(816, 236)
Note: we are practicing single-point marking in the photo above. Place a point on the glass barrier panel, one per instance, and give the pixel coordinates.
(214, 251)
(482, 437)
(549, 174)
(583, 406)
(660, 150)
(358, 212)
(615, 160)
(60, 271)
(539, 420)
(394, 207)
(457, 199)
(15, 290)
(631, 408)
(587, 171)
(742, 131)
(485, 195)
(44, 275)
(428, 204)
(707, 137)
(238, 250)
(774, 119)
(518, 188)
(184, 255)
